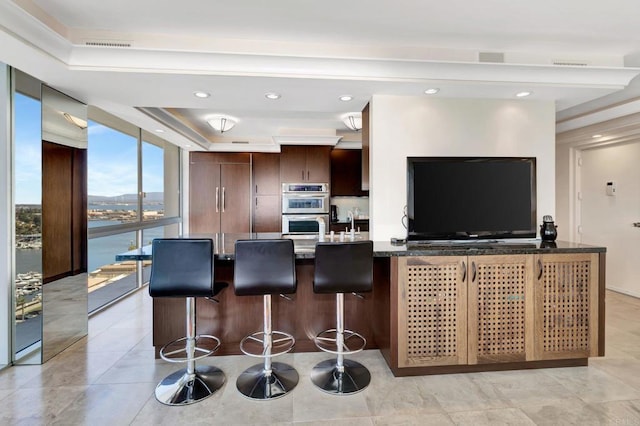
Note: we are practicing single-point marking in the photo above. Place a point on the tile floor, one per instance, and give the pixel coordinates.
(109, 378)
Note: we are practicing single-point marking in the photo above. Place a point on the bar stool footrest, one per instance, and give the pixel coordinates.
(281, 344)
(167, 354)
(353, 342)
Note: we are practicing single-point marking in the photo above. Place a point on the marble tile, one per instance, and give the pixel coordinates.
(399, 395)
(359, 421)
(526, 387)
(138, 367)
(311, 404)
(566, 413)
(592, 384)
(413, 420)
(502, 416)
(15, 377)
(458, 392)
(626, 370)
(106, 405)
(620, 412)
(37, 405)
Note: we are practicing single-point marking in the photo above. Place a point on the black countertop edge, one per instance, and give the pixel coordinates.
(304, 248)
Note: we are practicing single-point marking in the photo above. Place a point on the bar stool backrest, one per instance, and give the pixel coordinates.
(264, 267)
(343, 267)
(182, 267)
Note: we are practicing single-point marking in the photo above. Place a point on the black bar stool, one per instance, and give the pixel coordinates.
(265, 267)
(342, 268)
(184, 268)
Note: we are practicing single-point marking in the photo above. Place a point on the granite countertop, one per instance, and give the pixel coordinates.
(304, 247)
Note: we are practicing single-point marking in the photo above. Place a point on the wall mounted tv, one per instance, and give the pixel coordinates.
(470, 198)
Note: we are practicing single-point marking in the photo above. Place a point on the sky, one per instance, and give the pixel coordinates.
(111, 157)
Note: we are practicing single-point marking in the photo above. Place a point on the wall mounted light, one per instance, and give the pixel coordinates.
(353, 120)
(222, 123)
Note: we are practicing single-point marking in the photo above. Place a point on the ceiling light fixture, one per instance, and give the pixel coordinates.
(271, 95)
(221, 123)
(523, 94)
(346, 98)
(78, 122)
(201, 95)
(159, 131)
(596, 136)
(353, 120)
(431, 91)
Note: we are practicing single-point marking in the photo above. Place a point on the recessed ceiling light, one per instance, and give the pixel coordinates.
(523, 94)
(431, 91)
(201, 95)
(159, 131)
(271, 95)
(187, 146)
(346, 98)
(596, 136)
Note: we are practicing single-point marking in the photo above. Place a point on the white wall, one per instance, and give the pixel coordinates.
(565, 190)
(418, 126)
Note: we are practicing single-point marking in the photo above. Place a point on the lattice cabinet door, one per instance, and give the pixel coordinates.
(566, 306)
(432, 311)
(500, 303)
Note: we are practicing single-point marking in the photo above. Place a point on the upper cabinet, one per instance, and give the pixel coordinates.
(267, 210)
(305, 164)
(346, 172)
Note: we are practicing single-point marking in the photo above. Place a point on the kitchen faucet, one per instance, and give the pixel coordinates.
(351, 217)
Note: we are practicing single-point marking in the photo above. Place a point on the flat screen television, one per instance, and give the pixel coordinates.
(471, 198)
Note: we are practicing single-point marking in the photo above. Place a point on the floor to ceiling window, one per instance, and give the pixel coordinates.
(28, 216)
(128, 191)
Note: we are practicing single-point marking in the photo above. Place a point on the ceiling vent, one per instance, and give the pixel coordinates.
(107, 43)
(569, 63)
(495, 57)
(245, 142)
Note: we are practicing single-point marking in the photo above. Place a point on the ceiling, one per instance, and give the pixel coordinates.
(143, 60)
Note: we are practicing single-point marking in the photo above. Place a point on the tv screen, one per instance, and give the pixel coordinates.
(471, 198)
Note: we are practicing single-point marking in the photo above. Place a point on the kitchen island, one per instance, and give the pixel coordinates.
(435, 308)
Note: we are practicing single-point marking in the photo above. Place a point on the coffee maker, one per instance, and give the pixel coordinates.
(334, 213)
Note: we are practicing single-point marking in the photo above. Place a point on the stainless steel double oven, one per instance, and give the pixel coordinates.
(303, 204)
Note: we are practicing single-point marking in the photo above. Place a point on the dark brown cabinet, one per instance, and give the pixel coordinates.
(365, 148)
(219, 193)
(346, 173)
(267, 216)
(305, 164)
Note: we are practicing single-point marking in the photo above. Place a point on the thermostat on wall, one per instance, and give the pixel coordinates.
(611, 188)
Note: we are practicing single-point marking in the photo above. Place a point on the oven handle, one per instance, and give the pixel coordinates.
(300, 217)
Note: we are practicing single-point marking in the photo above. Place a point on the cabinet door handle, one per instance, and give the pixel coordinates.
(540, 269)
(217, 199)
(308, 178)
(473, 271)
(224, 200)
(464, 271)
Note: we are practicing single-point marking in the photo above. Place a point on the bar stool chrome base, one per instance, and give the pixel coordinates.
(328, 378)
(182, 388)
(256, 383)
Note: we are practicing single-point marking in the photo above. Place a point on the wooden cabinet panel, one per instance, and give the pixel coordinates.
(204, 197)
(500, 308)
(235, 201)
(266, 174)
(293, 163)
(318, 164)
(566, 306)
(267, 214)
(432, 307)
(305, 164)
(346, 172)
(219, 193)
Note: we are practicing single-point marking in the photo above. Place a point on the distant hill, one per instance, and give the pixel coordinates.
(153, 197)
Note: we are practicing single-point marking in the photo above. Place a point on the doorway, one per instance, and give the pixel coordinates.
(610, 205)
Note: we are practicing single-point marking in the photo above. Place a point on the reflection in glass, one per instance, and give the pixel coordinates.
(109, 280)
(28, 223)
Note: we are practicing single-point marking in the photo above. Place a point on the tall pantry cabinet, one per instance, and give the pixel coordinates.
(219, 192)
